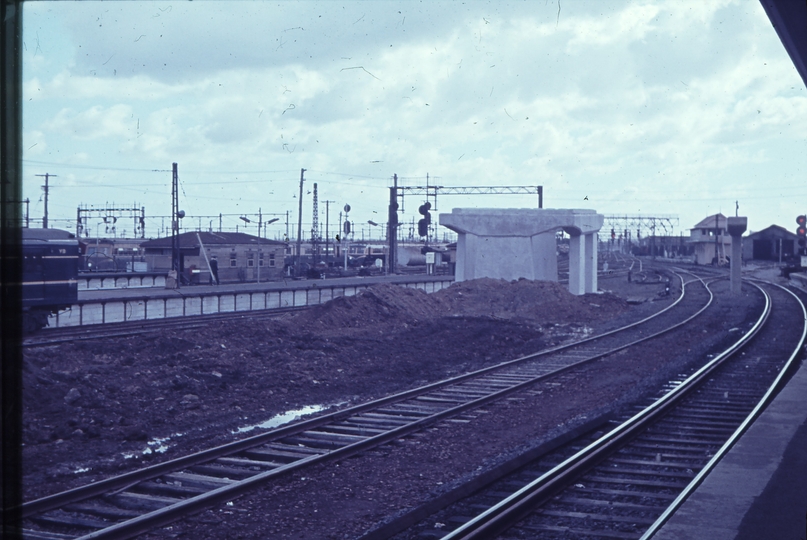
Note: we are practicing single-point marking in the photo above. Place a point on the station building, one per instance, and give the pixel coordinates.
(240, 257)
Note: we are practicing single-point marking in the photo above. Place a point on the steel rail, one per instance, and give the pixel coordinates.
(502, 515)
(53, 501)
(130, 328)
(764, 402)
(171, 513)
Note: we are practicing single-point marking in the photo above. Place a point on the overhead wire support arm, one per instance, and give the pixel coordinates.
(398, 192)
(474, 190)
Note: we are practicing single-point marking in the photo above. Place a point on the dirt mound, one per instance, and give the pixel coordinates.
(542, 302)
(379, 303)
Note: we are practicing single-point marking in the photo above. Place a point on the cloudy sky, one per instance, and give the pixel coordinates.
(633, 108)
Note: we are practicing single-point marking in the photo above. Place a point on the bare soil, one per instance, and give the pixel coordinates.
(94, 409)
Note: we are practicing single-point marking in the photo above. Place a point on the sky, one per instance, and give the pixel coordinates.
(659, 108)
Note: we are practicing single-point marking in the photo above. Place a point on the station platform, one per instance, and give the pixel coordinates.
(144, 303)
(758, 491)
(245, 288)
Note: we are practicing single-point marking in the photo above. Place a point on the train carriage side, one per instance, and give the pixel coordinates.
(49, 275)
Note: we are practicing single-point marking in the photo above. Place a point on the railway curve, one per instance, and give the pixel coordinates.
(281, 451)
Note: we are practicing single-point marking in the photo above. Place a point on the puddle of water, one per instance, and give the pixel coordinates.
(157, 446)
(82, 470)
(282, 418)
(160, 446)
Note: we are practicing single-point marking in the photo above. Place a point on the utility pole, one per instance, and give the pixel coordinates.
(717, 234)
(260, 254)
(392, 226)
(299, 224)
(176, 215)
(46, 187)
(315, 228)
(327, 234)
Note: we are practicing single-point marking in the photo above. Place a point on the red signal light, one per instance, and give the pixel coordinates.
(801, 231)
(801, 220)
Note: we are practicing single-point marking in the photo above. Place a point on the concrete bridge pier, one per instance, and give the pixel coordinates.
(520, 243)
(736, 228)
(582, 262)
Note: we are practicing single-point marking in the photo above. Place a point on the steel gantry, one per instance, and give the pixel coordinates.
(623, 227)
(397, 192)
(110, 215)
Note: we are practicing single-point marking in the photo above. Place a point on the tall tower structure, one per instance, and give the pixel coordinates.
(315, 227)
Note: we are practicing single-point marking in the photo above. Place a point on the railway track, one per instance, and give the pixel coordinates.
(80, 333)
(132, 503)
(625, 482)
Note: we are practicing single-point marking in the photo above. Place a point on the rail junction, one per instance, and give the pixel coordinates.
(660, 467)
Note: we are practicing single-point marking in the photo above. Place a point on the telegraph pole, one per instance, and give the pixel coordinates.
(299, 224)
(176, 215)
(392, 226)
(315, 228)
(260, 254)
(327, 234)
(45, 187)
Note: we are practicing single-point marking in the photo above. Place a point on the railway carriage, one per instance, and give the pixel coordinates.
(50, 259)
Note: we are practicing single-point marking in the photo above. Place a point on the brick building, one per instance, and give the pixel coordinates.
(240, 257)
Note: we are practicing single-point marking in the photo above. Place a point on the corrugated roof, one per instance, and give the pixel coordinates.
(190, 239)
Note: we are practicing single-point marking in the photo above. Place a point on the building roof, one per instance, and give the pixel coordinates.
(191, 240)
(46, 234)
(775, 230)
(709, 222)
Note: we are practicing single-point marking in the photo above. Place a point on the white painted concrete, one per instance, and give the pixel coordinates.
(736, 228)
(141, 308)
(518, 243)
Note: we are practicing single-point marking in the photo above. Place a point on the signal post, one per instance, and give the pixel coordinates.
(801, 231)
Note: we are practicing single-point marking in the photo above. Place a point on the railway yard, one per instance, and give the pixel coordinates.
(380, 456)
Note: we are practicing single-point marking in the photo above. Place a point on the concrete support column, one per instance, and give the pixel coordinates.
(590, 263)
(577, 259)
(736, 228)
(520, 243)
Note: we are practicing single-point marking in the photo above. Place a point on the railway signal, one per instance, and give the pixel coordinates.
(423, 224)
(802, 231)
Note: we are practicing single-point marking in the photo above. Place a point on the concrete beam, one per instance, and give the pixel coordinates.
(520, 243)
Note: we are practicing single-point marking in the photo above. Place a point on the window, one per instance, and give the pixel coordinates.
(233, 260)
(250, 259)
(260, 259)
(271, 260)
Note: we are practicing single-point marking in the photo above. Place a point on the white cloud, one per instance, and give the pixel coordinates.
(95, 122)
(628, 101)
